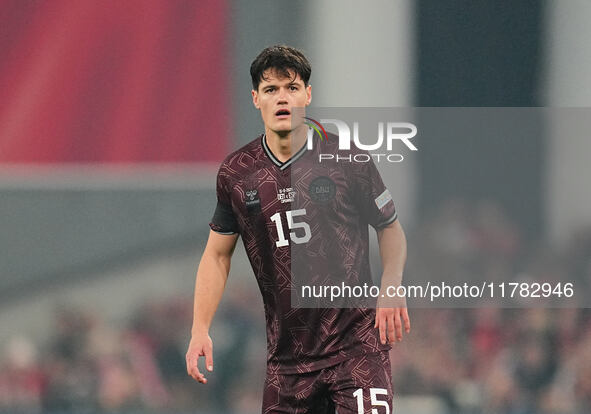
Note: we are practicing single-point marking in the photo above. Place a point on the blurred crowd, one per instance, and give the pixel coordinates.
(530, 360)
(91, 366)
(476, 360)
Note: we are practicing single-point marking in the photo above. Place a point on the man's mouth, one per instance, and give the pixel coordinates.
(282, 113)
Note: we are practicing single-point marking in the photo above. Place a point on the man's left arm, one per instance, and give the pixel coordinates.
(389, 320)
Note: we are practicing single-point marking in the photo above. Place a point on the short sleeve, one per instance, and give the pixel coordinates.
(373, 198)
(224, 220)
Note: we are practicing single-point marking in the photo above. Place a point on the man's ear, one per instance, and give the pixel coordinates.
(309, 94)
(255, 99)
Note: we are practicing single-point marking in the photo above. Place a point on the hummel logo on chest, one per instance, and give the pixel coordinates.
(251, 194)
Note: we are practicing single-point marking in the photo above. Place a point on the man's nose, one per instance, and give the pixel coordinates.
(282, 96)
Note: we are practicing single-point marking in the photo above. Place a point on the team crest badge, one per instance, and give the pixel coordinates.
(322, 189)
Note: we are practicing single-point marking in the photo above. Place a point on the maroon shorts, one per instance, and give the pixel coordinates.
(354, 386)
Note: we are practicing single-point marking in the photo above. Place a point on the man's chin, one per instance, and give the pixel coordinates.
(285, 132)
(282, 132)
(282, 129)
(286, 128)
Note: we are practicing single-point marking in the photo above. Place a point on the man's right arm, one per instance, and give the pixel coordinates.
(209, 285)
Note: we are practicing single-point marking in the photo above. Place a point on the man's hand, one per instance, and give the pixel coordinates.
(389, 321)
(200, 345)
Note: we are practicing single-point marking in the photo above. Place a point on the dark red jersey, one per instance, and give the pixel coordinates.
(305, 220)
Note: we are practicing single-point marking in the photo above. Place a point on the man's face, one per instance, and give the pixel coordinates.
(277, 95)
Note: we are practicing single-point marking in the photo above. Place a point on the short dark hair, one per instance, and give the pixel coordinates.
(283, 59)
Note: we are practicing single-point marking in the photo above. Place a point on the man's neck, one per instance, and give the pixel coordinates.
(284, 146)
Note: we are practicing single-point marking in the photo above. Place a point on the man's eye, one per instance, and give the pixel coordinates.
(293, 88)
(268, 90)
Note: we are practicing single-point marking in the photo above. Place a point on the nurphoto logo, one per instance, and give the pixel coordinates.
(390, 133)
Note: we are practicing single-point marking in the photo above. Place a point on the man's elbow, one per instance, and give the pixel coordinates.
(218, 256)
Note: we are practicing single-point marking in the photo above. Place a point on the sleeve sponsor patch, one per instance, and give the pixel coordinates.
(383, 198)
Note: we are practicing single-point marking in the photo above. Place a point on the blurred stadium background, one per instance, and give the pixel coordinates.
(115, 114)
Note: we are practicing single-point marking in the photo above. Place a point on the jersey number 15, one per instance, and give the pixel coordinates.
(293, 225)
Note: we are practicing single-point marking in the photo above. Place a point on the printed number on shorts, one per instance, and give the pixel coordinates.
(276, 218)
(373, 395)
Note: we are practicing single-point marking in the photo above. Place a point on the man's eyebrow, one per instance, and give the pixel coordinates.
(275, 85)
(298, 83)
